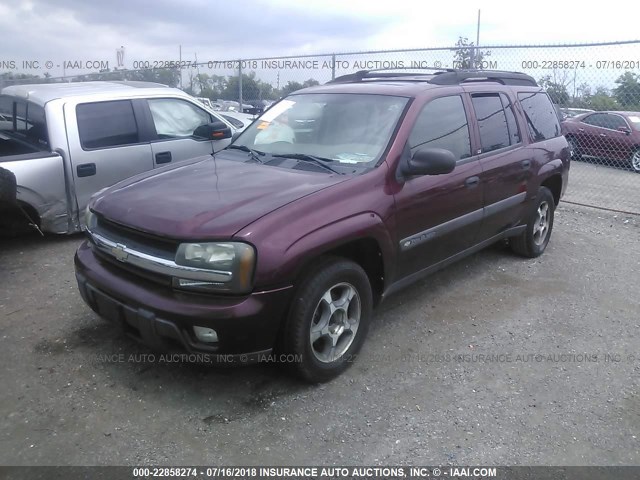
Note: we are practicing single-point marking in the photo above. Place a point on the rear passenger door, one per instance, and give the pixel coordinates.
(106, 144)
(506, 166)
(175, 121)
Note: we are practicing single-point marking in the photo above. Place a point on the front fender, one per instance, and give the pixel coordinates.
(303, 250)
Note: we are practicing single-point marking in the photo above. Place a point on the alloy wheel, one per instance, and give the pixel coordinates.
(335, 322)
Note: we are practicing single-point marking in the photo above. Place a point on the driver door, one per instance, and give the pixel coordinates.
(175, 121)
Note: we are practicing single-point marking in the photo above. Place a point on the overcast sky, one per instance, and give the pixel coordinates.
(71, 30)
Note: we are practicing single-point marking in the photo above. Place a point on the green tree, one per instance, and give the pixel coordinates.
(601, 100)
(557, 91)
(627, 93)
(293, 86)
(467, 56)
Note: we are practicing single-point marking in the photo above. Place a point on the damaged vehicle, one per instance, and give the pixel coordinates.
(63, 142)
(350, 191)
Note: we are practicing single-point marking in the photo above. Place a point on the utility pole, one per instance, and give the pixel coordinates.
(477, 49)
(180, 69)
(240, 85)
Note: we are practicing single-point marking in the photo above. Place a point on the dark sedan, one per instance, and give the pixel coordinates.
(612, 136)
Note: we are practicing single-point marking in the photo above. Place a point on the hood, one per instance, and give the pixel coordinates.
(207, 197)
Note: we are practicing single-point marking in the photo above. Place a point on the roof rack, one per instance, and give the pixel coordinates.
(441, 76)
(386, 73)
(457, 77)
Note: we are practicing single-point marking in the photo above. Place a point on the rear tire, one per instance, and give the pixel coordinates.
(635, 161)
(533, 242)
(328, 320)
(8, 188)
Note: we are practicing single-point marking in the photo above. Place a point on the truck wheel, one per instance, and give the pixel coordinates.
(535, 238)
(329, 319)
(8, 189)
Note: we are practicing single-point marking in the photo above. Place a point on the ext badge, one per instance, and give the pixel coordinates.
(119, 252)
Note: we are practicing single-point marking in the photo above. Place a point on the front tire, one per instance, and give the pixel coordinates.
(533, 242)
(329, 319)
(573, 148)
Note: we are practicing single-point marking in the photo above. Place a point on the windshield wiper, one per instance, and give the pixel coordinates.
(254, 154)
(322, 162)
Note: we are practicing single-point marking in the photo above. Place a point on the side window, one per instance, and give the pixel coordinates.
(492, 121)
(615, 122)
(597, 120)
(174, 118)
(29, 121)
(541, 117)
(107, 124)
(6, 113)
(442, 124)
(514, 131)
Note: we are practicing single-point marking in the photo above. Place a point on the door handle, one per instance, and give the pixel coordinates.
(472, 182)
(86, 169)
(526, 164)
(163, 157)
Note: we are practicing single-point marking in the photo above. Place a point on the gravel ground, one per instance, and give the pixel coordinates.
(497, 360)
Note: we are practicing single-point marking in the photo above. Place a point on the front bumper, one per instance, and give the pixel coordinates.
(163, 318)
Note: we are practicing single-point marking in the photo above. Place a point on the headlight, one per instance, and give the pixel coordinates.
(234, 261)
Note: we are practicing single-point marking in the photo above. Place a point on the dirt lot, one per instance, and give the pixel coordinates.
(496, 360)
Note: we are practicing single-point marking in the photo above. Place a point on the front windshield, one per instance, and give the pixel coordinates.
(346, 129)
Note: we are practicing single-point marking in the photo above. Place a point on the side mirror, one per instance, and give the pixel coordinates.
(213, 131)
(430, 161)
(626, 130)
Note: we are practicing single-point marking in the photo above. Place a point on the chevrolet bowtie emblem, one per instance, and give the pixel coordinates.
(119, 251)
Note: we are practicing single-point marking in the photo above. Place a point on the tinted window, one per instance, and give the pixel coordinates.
(177, 118)
(597, 120)
(614, 122)
(542, 121)
(107, 124)
(514, 131)
(492, 122)
(6, 108)
(29, 124)
(442, 124)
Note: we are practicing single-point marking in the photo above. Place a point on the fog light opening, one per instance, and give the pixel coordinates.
(206, 335)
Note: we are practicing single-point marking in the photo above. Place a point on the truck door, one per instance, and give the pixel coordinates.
(105, 145)
(175, 121)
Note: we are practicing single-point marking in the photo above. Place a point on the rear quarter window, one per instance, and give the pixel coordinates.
(540, 116)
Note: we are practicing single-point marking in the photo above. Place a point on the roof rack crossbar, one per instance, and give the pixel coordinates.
(504, 77)
(387, 73)
(441, 76)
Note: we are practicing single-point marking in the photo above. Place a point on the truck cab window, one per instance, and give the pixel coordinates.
(107, 124)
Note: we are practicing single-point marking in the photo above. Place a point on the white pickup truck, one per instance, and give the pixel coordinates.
(66, 141)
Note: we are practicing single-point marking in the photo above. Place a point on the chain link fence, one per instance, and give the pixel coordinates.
(595, 87)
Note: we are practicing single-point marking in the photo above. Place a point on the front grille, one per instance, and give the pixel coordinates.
(143, 242)
(134, 270)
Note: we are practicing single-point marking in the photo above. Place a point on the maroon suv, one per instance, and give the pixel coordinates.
(334, 198)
